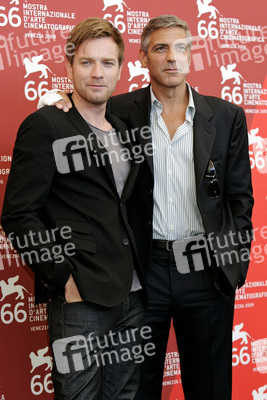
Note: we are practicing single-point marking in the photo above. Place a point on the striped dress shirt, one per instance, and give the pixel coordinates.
(176, 214)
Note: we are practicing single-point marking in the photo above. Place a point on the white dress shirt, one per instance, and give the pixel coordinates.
(176, 214)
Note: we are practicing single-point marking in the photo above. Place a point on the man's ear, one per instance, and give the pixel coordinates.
(143, 58)
(69, 69)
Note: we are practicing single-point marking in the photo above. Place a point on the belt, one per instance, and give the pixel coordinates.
(163, 244)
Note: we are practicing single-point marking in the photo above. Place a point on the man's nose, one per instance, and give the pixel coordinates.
(97, 70)
(171, 55)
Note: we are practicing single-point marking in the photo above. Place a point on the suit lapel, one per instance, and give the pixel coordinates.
(204, 134)
(93, 143)
(119, 126)
(140, 117)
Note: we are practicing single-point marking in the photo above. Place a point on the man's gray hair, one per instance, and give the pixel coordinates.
(164, 21)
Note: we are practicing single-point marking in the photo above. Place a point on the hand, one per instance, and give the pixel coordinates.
(56, 98)
(71, 291)
(65, 103)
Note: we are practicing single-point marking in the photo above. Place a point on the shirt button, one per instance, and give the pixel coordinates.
(171, 200)
(125, 242)
(172, 227)
(170, 172)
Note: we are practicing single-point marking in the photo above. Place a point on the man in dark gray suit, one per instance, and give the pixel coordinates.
(70, 179)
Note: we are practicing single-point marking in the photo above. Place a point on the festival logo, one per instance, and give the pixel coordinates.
(9, 311)
(260, 393)
(204, 7)
(40, 383)
(40, 359)
(254, 139)
(118, 3)
(10, 288)
(33, 66)
(238, 334)
(136, 69)
(241, 352)
(258, 152)
(228, 73)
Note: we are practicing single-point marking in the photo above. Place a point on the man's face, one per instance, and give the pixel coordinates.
(168, 57)
(95, 70)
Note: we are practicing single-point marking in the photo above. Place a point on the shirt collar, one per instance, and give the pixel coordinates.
(190, 111)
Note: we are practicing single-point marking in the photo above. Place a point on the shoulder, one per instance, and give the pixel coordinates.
(116, 122)
(216, 105)
(128, 98)
(46, 115)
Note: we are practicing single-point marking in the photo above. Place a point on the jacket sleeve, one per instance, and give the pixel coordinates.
(238, 188)
(31, 176)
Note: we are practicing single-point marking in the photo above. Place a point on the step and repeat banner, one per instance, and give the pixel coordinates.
(229, 61)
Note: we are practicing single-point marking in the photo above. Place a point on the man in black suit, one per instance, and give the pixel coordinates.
(202, 190)
(70, 178)
(199, 231)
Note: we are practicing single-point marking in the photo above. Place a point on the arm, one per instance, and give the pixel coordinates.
(30, 181)
(239, 186)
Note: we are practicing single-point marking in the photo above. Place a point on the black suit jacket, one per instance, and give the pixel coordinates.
(220, 135)
(40, 199)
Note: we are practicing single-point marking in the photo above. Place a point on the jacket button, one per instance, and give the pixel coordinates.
(45, 285)
(125, 242)
(150, 191)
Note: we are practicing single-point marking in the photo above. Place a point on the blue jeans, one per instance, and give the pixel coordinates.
(97, 350)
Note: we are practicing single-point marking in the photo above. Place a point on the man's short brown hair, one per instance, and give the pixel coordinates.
(93, 28)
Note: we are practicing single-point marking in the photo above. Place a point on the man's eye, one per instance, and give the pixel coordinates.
(181, 48)
(160, 48)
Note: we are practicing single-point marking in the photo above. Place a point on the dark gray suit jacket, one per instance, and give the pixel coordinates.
(220, 135)
(79, 192)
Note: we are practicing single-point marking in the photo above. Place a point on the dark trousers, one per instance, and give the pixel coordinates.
(202, 320)
(96, 349)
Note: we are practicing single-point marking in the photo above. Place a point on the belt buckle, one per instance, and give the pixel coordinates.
(169, 245)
